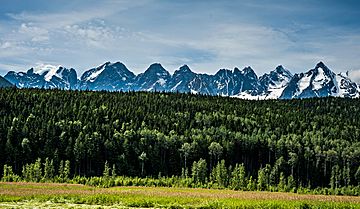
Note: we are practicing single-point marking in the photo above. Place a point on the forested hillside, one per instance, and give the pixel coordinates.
(309, 143)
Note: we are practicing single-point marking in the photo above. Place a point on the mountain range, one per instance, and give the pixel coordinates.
(279, 83)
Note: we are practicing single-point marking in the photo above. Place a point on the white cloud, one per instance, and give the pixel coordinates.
(37, 34)
(222, 45)
(354, 75)
(96, 36)
(5, 45)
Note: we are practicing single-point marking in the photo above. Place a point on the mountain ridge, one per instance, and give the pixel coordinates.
(4, 83)
(244, 83)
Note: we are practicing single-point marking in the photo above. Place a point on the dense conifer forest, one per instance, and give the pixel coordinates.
(209, 140)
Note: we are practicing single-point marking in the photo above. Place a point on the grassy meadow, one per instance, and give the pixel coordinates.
(50, 195)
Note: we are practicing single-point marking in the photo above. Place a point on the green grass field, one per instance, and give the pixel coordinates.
(46, 195)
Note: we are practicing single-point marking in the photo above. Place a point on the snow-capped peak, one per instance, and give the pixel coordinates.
(317, 82)
(46, 70)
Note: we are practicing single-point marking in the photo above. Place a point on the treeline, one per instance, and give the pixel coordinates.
(219, 178)
(310, 143)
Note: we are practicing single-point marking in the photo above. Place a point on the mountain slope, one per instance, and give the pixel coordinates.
(181, 79)
(109, 76)
(154, 78)
(5, 83)
(275, 82)
(346, 88)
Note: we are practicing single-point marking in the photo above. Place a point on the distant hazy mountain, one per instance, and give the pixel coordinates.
(279, 83)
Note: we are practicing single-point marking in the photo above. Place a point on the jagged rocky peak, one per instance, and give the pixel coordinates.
(153, 79)
(247, 69)
(30, 71)
(157, 69)
(115, 65)
(321, 64)
(249, 72)
(185, 69)
(236, 70)
(321, 67)
(224, 72)
(107, 69)
(280, 74)
(281, 70)
(317, 82)
(108, 76)
(274, 82)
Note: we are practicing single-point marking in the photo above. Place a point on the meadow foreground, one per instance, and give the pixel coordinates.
(51, 195)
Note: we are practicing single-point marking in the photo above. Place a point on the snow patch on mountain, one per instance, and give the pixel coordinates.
(161, 81)
(48, 71)
(95, 74)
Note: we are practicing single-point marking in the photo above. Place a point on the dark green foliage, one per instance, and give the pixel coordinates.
(306, 143)
(357, 176)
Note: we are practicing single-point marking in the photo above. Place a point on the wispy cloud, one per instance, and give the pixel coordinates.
(355, 76)
(36, 34)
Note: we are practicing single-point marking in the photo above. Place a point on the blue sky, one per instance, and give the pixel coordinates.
(206, 35)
